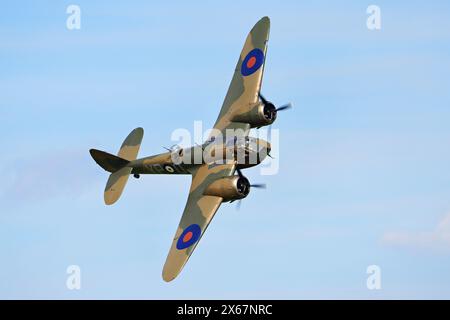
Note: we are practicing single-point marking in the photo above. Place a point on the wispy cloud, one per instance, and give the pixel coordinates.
(437, 239)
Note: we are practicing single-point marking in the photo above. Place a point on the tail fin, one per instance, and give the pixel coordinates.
(118, 165)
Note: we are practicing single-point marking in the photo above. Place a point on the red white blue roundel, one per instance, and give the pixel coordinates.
(189, 236)
(252, 62)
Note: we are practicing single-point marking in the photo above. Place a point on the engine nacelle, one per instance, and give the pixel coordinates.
(229, 188)
(259, 115)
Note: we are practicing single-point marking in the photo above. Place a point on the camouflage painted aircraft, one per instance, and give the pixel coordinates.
(214, 180)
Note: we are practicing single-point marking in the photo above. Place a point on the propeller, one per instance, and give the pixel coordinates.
(259, 185)
(272, 111)
(263, 99)
(173, 148)
(238, 205)
(280, 108)
(255, 185)
(285, 107)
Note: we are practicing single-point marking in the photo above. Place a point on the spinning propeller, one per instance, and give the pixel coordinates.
(271, 111)
(256, 185)
(269, 105)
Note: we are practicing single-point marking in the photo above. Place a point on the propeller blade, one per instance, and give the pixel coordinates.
(262, 98)
(259, 185)
(269, 138)
(238, 205)
(285, 107)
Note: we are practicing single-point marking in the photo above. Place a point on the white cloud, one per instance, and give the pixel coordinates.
(436, 239)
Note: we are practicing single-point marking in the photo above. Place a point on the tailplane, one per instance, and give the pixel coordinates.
(118, 165)
(107, 161)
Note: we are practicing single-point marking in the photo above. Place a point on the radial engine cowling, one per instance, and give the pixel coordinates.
(259, 115)
(229, 188)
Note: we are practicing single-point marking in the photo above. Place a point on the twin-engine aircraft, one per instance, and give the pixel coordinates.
(214, 164)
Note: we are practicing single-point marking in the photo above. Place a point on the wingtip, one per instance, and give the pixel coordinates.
(263, 23)
(140, 129)
(167, 279)
(167, 276)
(171, 270)
(264, 20)
(109, 199)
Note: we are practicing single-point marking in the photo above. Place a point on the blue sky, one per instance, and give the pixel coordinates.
(364, 155)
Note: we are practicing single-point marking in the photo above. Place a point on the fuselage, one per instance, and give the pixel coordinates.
(246, 152)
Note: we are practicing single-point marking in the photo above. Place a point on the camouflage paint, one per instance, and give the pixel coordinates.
(241, 98)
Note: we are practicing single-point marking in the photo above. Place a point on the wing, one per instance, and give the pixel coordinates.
(246, 82)
(197, 215)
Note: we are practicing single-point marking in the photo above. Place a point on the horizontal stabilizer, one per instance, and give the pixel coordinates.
(130, 147)
(107, 161)
(115, 185)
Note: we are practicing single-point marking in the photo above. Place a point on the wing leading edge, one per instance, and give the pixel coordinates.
(246, 83)
(198, 213)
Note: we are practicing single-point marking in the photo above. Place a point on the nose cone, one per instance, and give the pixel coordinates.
(265, 145)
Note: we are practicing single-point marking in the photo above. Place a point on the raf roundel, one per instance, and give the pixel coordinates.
(189, 236)
(252, 62)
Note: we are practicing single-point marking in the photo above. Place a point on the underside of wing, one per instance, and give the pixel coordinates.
(246, 83)
(197, 215)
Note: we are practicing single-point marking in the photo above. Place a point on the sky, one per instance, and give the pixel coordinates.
(364, 157)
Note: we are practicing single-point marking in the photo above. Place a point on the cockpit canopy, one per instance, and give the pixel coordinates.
(248, 143)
